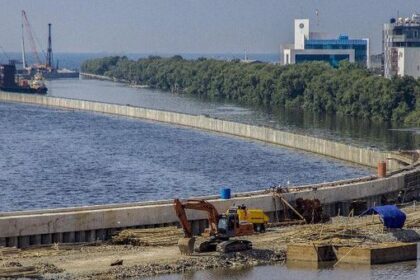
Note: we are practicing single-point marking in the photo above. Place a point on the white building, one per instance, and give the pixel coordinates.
(309, 47)
(401, 46)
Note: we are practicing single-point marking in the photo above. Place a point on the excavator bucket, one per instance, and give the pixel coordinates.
(186, 245)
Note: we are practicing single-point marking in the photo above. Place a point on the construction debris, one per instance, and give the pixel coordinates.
(19, 272)
(7, 251)
(148, 237)
(117, 262)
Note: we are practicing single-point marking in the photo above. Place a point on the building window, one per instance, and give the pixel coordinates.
(333, 60)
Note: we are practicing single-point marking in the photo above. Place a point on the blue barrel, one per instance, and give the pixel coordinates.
(224, 193)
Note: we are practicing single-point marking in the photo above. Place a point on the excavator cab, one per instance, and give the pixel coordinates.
(226, 226)
(230, 226)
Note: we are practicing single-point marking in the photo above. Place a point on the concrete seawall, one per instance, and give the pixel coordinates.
(87, 224)
(324, 147)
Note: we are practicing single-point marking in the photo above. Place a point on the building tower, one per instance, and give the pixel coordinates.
(49, 50)
(401, 47)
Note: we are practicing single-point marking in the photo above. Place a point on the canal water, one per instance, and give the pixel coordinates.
(398, 271)
(55, 158)
(354, 131)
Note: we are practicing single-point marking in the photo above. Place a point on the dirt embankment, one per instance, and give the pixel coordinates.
(135, 253)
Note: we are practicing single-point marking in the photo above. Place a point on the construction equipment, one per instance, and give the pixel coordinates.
(27, 25)
(311, 210)
(253, 216)
(221, 229)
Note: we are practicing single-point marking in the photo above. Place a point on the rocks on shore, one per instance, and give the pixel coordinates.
(199, 262)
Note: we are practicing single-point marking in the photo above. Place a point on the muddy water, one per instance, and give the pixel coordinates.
(405, 271)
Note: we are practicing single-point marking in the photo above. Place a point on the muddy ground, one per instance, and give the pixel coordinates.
(94, 261)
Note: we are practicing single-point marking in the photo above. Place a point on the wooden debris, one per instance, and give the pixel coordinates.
(117, 262)
(7, 251)
(148, 237)
(19, 272)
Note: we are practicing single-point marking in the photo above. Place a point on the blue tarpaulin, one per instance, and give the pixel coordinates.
(390, 215)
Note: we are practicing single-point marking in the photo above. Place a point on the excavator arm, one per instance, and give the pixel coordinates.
(200, 205)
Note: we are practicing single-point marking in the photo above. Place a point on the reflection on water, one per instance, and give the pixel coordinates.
(308, 271)
(405, 270)
(345, 129)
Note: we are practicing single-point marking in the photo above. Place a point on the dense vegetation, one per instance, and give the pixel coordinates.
(349, 89)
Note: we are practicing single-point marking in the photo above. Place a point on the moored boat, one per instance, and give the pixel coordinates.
(12, 83)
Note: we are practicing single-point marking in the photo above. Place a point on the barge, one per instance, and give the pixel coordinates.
(11, 82)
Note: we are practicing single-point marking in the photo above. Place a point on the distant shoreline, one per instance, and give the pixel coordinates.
(106, 78)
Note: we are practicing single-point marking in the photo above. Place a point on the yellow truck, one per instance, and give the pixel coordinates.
(251, 215)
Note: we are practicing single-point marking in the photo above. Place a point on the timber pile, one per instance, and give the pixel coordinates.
(164, 236)
(349, 231)
(7, 251)
(413, 218)
(19, 272)
(345, 231)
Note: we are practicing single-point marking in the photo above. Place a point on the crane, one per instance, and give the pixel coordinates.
(27, 25)
(221, 228)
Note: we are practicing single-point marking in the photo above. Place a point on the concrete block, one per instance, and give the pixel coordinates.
(378, 254)
(310, 252)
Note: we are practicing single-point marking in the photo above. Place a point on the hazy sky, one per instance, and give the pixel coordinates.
(191, 26)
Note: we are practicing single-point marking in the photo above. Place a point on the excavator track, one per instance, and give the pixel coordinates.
(207, 246)
(234, 246)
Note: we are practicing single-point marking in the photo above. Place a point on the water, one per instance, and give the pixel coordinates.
(400, 271)
(344, 129)
(54, 158)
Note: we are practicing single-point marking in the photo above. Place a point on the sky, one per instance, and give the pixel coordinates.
(191, 26)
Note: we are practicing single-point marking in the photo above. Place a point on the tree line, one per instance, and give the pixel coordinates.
(349, 89)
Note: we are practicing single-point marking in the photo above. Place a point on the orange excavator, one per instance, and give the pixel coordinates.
(221, 229)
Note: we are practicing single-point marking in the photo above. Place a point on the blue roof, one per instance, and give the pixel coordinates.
(390, 215)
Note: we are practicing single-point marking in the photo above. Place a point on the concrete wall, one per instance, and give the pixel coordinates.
(85, 224)
(329, 148)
